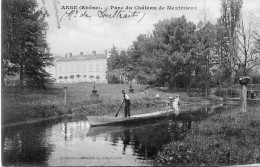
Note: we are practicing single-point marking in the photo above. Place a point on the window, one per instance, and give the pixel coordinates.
(81, 67)
(63, 68)
(97, 66)
(85, 67)
(66, 67)
(59, 67)
(71, 67)
(90, 67)
(77, 67)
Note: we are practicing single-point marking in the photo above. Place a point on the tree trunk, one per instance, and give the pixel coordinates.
(175, 84)
(233, 73)
(207, 77)
(188, 84)
(21, 73)
(206, 90)
(220, 69)
(3, 73)
(232, 56)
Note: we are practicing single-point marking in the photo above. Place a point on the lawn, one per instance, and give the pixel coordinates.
(80, 91)
(30, 104)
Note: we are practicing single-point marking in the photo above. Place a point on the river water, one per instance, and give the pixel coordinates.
(74, 143)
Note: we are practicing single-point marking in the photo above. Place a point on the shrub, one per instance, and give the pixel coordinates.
(221, 92)
(227, 139)
(233, 93)
(230, 92)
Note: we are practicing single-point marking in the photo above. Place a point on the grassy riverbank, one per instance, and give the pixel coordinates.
(228, 138)
(29, 104)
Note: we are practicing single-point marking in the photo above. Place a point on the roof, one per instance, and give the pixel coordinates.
(83, 57)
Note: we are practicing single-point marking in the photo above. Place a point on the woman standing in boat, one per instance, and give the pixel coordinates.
(127, 104)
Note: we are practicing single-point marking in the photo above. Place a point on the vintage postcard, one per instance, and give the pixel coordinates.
(130, 82)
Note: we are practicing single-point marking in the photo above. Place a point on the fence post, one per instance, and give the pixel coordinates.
(226, 93)
(65, 94)
(61, 97)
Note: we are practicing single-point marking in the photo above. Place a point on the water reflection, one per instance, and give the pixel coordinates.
(75, 143)
(147, 140)
(27, 145)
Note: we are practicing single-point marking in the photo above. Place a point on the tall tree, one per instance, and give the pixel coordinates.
(222, 51)
(205, 54)
(176, 37)
(24, 42)
(143, 60)
(117, 64)
(230, 17)
(248, 51)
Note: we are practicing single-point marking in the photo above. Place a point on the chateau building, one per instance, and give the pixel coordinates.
(80, 68)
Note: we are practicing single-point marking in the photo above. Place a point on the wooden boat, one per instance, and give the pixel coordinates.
(103, 130)
(109, 120)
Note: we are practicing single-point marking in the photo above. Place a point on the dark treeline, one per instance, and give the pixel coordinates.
(25, 52)
(180, 54)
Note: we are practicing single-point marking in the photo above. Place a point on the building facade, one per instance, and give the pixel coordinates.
(80, 68)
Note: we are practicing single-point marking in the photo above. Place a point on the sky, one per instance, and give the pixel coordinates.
(78, 33)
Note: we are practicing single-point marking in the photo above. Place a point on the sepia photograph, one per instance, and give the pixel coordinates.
(130, 83)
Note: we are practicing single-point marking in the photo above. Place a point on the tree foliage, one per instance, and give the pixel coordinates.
(205, 57)
(175, 40)
(25, 49)
(179, 54)
(142, 60)
(117, 65)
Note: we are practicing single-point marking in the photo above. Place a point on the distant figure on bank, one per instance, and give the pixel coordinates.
(127, 104)
(157, 96)
(176, 104)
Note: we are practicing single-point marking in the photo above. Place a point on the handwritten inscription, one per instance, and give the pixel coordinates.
(74, 13)
(122, 14)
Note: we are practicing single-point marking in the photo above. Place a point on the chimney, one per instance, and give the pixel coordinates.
(93, 53)
(81, 53)
(70, 54)
(66, 55)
